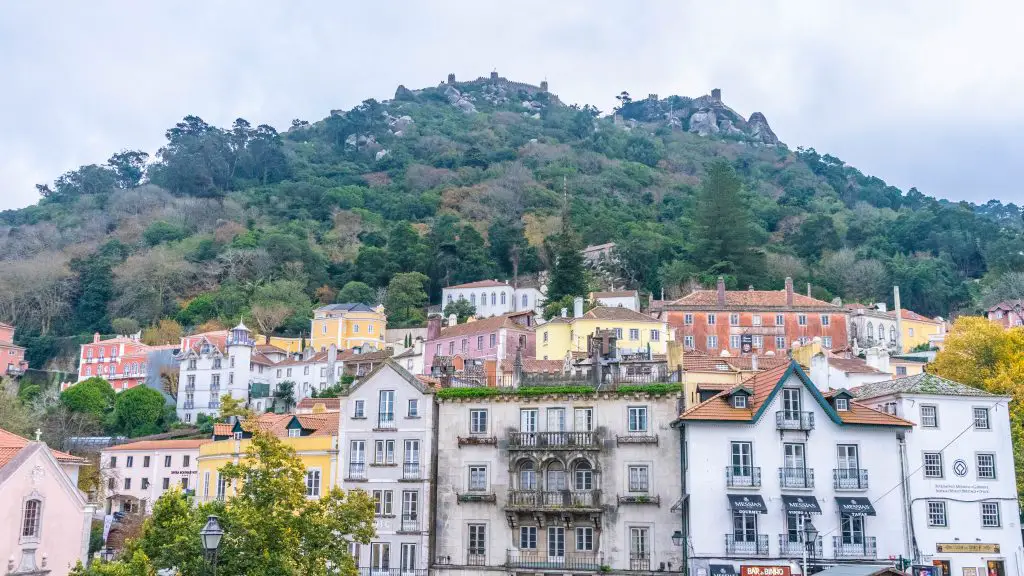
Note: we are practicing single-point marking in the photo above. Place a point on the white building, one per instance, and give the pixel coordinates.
(138, 473)
(774, 452)
(386, 435)
(831, 373)
(412, 358)
(556, 484)
(494, 298)
(620, 299)
(959, 458)
(873, 325)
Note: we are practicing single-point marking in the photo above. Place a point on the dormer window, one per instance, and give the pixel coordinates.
(237, 435)
(739, 401)
(294, 432)
(842, 404)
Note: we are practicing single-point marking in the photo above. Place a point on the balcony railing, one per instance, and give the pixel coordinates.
(212, 404)
(410, 523)
(259, 390)
(653, 373)
(386, 421)
(554, 500)
(743, 476)
(640, 561)
(788, 546)
(638, 499)
(392, 572)
(476, 497)
(789, 420)
(411, 471)
(542, 561)
(553, 441)
(476, 558)
(849, 479)
(798, 478)
(866, 548)
(746, 545)
(357, 470)
(189, 405)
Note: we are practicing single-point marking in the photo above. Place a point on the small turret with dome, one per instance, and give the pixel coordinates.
(240, 336)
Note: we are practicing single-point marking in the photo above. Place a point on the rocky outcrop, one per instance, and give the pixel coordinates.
(704, 123)
(760, 131)
(705, 115)
(455, 98)
(403, 93)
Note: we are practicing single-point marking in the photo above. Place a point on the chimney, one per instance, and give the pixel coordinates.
(453, 320)
(565, 312)
(808, 289)
(577, 307)
(433, 327)
(899, 318)
(753, 362)
(789, 291)
(881, 307)
(95, 337)
(721, 291)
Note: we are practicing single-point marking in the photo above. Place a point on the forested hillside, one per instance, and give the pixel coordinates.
(465, 181)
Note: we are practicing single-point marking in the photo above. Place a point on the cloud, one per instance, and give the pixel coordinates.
(915, 93)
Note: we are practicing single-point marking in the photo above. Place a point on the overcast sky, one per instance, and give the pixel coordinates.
(926, 94)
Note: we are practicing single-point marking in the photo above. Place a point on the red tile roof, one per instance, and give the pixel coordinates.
(485, 325)
(481, 284)
(372, 356)
(533, 365)
(614, 294)
(161, 445)
(853, 366)
(914, 316)
(616, 313)
(749, 299)
(328, 403)
(323, 424)
(697, 361)
(11, 444)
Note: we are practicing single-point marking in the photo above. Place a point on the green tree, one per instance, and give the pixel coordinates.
(93, 396)
(284, 395)
(568, 278)
(356, 291)
(817, 234)
(124, 325)
(461, 308)
(129, 166)
(137, 565)
(406, 299)
(724, 229)
(139, 411)
(278, 303)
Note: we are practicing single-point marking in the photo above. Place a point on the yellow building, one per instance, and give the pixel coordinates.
(908, 364)
(313, 436)
(918, 329)
(289, 345)
(706, 375)
(634, 332)
(348, 326)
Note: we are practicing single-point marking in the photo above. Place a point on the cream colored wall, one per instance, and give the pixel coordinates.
(922, 330)
(341, 331)
(314, 451)
(557, 342)
(563, 337)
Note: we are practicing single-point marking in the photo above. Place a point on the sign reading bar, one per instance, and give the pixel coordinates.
(764, 570)
(967, 547)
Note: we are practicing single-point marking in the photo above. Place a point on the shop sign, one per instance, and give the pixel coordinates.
(746, 570)
(965, 547)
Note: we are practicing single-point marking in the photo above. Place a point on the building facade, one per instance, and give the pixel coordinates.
(1008, 313)
(12, 356)
(490, 341)
(959, 461)
(622, 299)
(348, 325)
(766, 457)
(47, 519)
(138, 473)
(873, 325)
(386, 434)
(634, 332)
(754, 321)
(557, 483)
(122, 361)
(919, 330)
(214, 364)
(494, 298)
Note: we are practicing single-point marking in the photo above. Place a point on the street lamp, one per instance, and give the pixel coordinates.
(210, 537)
(810, 539)
(677, 538)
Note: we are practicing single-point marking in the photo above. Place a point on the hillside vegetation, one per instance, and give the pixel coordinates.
(457, 183)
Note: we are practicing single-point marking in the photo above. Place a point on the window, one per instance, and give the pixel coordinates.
(145, 461)
(145, 483)
(842, 404)
(711, 319)
(986, 466)
(638, 479)
(688, 319)
(825, 318)
(110, 483)
(465, 344)
(414, 408)
(503, 298)
(127, 483)
(166, 483)
(129, 461)
(357, 455)
(734, 341)
(990, 515)
(527, 537)
(742, 459)
(901, 370)
(637, 418)
(618, 333)
(494, 299)
(634, 334)
(216, 364)
(545, 333)
(739, 401)
(526, 301)
(167, 461)
(113, 461)
(493, 340)
(383, 502)
(929, 416)
(655, 335)
(584, 420)
(410, 505)
(780, 342)
(779, 320)
(937, 513)
(451, 348)
(222, 487)
(478, 536)
(583, 479)
(479, 342)
(294, 432)
(478, 421)
(688, 341)
(437, 350)
(851, 528)
(981, 418)
(477, 478)
(734, 319)
(639, 542)
(386, 407)
(312, 483)
(31, 517)
(359, 409)
(801, 319)
(384, 452)
(933, 465)
(826, 341)
(910, 332)
(755, 320)
(712, 341)
(584, 539)
(185, 460)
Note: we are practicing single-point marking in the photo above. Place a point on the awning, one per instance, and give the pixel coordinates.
(721, 570)
(855, 505)
(802, 504)
(747, 503)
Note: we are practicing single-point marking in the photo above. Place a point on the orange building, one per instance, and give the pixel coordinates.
(120, 360)
(754, 321)
(12, 358)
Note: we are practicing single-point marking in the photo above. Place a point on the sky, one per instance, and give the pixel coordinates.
(926, 94)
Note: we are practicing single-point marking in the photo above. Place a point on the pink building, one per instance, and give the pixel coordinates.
(1007, 313)
(12, 358)
(122, 361)
(492, 340)
(46, 517)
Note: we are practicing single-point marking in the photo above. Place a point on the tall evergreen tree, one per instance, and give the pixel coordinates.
(725, 232)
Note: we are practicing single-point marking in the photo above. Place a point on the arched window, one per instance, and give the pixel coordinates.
(871, 332)
(502, 298)
(527, 476)
(583, 479)
(472, 299)
(881, 332)
(31, 519)
(449, 301)
(853, 331)
(483, 298)
(494, 298)
(526, 301)
(892, 333)
(554, 477)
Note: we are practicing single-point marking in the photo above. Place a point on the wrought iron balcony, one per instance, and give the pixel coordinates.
(849, 479)
(386, 421)
(554, 441)
(790, 420)
(555, 500)
(476, 558)
(477, 441)
(746, 545)
(410, 523)
(866, 548)
(392, 572)
(541, 561)
(795, 548)
(476, 497)
(212, 404)
(796, 478)
(640, 561)
(189, 405)
(743, 476)
(638, 499)
(356, 471)
(411, 471)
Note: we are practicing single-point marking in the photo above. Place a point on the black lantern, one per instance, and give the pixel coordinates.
(810, 534)
(210, 537)
(677, 538)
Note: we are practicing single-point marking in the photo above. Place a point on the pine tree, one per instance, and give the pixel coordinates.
(725, 232)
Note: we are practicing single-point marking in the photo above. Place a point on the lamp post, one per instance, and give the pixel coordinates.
(810, 539)
(210, 537)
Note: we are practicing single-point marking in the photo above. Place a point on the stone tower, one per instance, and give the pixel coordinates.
(494, 76)
(451, 79)
(716, 94)
(544, 86)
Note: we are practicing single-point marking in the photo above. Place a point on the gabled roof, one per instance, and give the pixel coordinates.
(11, 444)
(765, 385)
(389, 364)
(483, 326)
(409, 353)
(852, 366)
(615, 313)
(698, 361)
(346, 307)
(328, 403)
(923, 383)
(1007, 305)
(750, 299)
(914, 316)
(270, 349)
(615, 294)
(479, 284)
(372, 356)
(325, 424)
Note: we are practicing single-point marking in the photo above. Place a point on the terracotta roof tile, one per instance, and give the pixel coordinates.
(853, 366)
(11, 444)
(750, 299)
(481, 326)
(480, 284)
(222, 429)
(861, 414)
(533, 365)
(697, 361)
(617, 313)
(914, 316)
(161, 445)
(328, 403)
(615, 294)
(372, 356)
(269, 349)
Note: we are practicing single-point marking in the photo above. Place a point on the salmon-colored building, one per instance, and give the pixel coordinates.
(12, 358)
(120, 361)
(754, 321)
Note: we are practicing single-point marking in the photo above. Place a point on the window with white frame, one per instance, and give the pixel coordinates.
(757, 341)
(527, 537)
(712, 319)
(739, 401)
(478, 421)
(734, 341)
(478, 478)
(842, 404)
(31, 520)
(639, 480)
(359, 409)
(990, 515)
(637, 420)
(312, 483)
(779, 320)
(584, 539)
(414, 408)
(981, 418)
(129, 461)
(655, 335)
(929, 416)
(801, 319)
(688, 341)
(634, 333)
(383, 502)
(712, 341)
(933, 464)
(755, 320)
(826, 341)
(734, 319)
(478, 536)
(825, 319)
(937, 513)
(222, 487)
(688, 319)
(780, 342)
(618, 333)
(986, 466)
